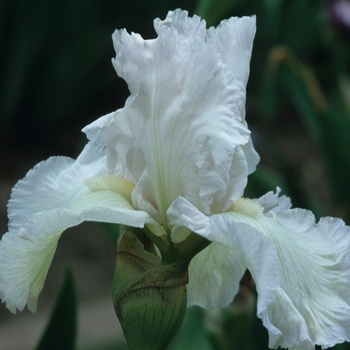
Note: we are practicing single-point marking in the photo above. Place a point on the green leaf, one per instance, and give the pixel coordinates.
(112, 231)
(300, 89)
(61, 330)
(192, 334)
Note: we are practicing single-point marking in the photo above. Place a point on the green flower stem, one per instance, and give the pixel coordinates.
(174, 252)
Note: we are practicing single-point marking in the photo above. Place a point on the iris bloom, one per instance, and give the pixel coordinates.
(174, 161)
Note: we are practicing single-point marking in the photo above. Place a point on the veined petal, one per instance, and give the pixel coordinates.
(273, 202)
(184, 109)
(233, 38)
(311, 302)
(214, 276)
(55, 195)
(61, 182)
(248, 248)
(23, 267)
(224, 177)
(187, 26)
(26, 253)
(51, 183)
(301, 269)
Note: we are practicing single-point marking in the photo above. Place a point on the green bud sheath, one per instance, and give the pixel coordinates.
(149, 297)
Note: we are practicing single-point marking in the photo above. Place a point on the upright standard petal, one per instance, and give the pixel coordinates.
(233, 38)
(182, 120)
(55, 195)
(187, 26)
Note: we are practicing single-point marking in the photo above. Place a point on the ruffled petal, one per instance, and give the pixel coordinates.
(55, 195)
(187, 26)
(301, 269)
(251, 155)
(311, 304)
(233, 39)
(248, 248)
(26, 253)
(272, 202)
(53, 183)
(233, 179)
(184, 110)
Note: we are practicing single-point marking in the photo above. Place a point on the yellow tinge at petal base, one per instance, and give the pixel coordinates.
(111, 182)
(246, 206)
(122, 186)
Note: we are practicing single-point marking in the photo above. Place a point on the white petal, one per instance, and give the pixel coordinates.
(183, 213)
(233, 38)
(214, 276)
(26, 253)
(188, 26)
(248, 247)
(273, 203)
(55, 195)
(311, 303)
(143, 196)
(184, 109)
(23, 267)
(223, 177)
(252, 156)
(52, 183)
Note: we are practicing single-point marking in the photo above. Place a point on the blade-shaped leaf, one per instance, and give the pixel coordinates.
(61, 330)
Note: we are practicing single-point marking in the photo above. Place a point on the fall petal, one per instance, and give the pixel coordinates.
(311, 302)
(214, 276)
(248, 247)
(55, 195)
(26, 253)
(52, 183)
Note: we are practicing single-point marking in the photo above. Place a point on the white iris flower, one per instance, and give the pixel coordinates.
(175, 162)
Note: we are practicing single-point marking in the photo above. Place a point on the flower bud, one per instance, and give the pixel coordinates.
(149, 297)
